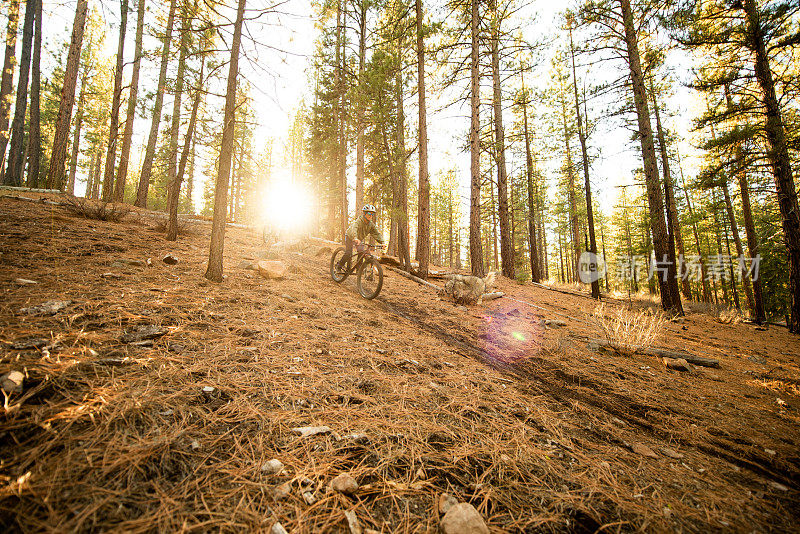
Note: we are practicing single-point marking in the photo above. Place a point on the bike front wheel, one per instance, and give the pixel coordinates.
(370, 278)
(337, 274)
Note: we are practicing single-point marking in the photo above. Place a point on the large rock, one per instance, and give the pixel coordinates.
(463, 519)
(272, 269)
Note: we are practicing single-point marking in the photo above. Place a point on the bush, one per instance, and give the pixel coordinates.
(102, 211)
(629, 330)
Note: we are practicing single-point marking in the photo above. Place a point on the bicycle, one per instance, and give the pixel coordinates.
(369, 277)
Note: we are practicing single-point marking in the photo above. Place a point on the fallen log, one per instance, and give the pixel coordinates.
(654, 351)
(416, 279)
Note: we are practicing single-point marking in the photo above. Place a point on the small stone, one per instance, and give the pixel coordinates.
(644, 450)
(421, 474)
(288, 297)
(195, 444)
(463, 519)
(169, 411)
(344, 483)
(272, 467)
(352, 522)
(169, 259)
(446, 501)
(670, 453)
(755, 358)
(208, 390)
(308, 431)
(115, 276)
(309, 498)
(677, 364)
(24, 282)
(11, 382)
(51, 307)
(277, 528)
(281, 492)
(770, 452)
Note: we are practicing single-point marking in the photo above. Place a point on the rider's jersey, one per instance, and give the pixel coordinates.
(361, 228)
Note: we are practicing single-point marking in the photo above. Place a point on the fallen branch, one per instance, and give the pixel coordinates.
(417, 279)
(654, 351)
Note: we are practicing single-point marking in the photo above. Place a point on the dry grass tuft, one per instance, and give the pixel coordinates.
(103, 211)
(184, 227)
(629, 330)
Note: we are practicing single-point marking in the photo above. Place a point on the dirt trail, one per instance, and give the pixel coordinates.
(421, 397)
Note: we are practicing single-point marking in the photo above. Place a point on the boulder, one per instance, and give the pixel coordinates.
(463, 519)
(272, 269)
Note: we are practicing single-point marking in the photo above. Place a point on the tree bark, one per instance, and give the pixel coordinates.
(127, 136)
(585, 158)
(532, 238)
(7, 81)
(214, 270)
(147, 165)
(76, 138)
(779, 159)
(55, 174)
(673, 223)
(401, 208)
(113, 129)
(173, 194)
(16, 161)
(423, 212)
(475, 247)
(360, 104)
(573, 203)
(172, 167)
(34, 129)
(669, 301)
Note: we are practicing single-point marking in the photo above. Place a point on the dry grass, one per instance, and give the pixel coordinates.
(90, 209)
(629, 330)
(185, 228)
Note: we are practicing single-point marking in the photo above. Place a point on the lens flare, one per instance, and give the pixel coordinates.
(510, 333)
(287, 207)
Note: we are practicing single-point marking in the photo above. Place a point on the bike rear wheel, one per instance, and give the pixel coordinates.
(337, 275)
(370, 278)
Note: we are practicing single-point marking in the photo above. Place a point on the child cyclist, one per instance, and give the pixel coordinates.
(361, 228)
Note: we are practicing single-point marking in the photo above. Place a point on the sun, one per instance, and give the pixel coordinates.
(286, 206)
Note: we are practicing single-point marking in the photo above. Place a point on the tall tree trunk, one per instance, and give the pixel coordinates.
(475, 249)
(16, 161)
(113, 133)
(423, 211)
(779, 159)
(127, 136)
(7, 82)
(341, 169)
(34, 130)
(585, 158)
(748, 290)
(76, 139)
(150, 151)
(360, 105)
(214, 270)
(174, 184)
(573, 202)
(401, 208)
(506, 240)
(706, 290)
(55, 175)
(673, 223)
(532, 239)
(173, 194)
(670, 300)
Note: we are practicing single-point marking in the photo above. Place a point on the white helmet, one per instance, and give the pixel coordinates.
(368, 208)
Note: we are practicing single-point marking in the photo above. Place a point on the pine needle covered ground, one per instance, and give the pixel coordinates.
(113, 429)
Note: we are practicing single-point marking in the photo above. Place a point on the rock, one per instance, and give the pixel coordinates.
(272, 269)
(307, 431)
(288, 297)
(309, 497)
(344, 483)
(208, 390)
(195, 444)
(644, 450)
(169, 259)
(463, 519)
(30, 343)
(115, 276)
(246, 264)
(755, 358)
(670, 453)
(168, 411)
(141, 333)
(281, 492)
(446, 501)
(277, 528)
(272, 467)
(352, 522)
(11, 382)
(51, 307)
(677, 364)
(24, 282)
(554, 322)
(770, 452)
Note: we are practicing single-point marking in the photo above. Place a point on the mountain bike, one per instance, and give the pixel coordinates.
(369, 273)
